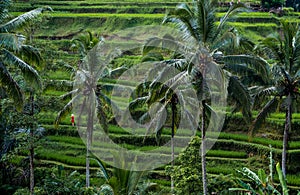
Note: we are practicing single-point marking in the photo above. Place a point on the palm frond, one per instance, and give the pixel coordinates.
(270, 107)
(68, 68)
(11, 87)
(211, 116)
(102, 168)
(289, 31)
(228, 40)
(190, 120)
(257, 64)
(22, 20)
(153, 56)
(277, 72)
(246, 44)
(241, 96)
(5, 4)
(156, 124)
(180, 64)
(143, 119)
(151, 44)
(158, 87)
(29, 73)
(12, 42)
(241, 189)
(65, 111)
(182, 17)
(169, 42)
(260, 93)
(30, 54)
(296, 57)
(296, 75)
(106, 100)
(160, 118)
(205, 20)
(287, 77)
(232, 11)
(178, 80)
(115, 73)
(200, 85)
(239, 69)
(272, 47)
(61, 85)
(101, 115)
(138, 103)
(68, 94)
(262, 176)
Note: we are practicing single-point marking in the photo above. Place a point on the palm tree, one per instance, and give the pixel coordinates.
(85, 73)
(197, 23)
(88, 99)
(84, 43)
(277, 80)
(168, 87)
(283, 88)
(16, 54)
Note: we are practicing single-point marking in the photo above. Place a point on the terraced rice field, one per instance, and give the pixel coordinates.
(63, 146)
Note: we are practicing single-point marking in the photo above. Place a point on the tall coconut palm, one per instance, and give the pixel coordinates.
(163, 92)
(197, 23)
(284, 48)
(15, 54)
(88, 99)
(85, 80)
(278, 79)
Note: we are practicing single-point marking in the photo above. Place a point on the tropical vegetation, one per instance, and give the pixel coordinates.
(223, 81)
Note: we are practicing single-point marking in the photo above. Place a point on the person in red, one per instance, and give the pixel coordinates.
(72, 119)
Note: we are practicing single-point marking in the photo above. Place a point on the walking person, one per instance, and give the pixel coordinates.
(72, 119)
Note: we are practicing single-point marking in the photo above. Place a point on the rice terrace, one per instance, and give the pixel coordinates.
(136, 97)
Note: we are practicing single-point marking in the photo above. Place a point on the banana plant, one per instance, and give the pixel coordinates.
(261, 183)
(122, 181)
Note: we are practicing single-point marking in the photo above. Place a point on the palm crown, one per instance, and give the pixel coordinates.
(14, 53)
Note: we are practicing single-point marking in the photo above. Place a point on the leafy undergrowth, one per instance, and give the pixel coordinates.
(70, 151)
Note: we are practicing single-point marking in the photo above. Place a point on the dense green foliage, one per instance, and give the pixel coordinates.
(60, 156)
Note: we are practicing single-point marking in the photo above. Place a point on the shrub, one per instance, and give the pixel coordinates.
(272, 3)
(220, 184)
(65, 130)
(187, 175)
(49, 103)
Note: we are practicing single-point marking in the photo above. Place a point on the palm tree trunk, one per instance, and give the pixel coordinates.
(88, 145)
(173, 105)
(87, 162)
(31, 148)
(31, 166)
(203, 150)
(287, 129)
